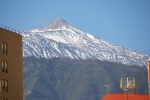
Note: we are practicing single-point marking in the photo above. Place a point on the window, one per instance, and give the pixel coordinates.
(5, 48)
(2, 47)
(6, 67)
(4, 85)
(2, 65)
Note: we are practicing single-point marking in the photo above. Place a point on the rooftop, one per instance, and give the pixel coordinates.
(126, 97)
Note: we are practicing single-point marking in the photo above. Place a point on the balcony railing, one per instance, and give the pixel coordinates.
(10, 29)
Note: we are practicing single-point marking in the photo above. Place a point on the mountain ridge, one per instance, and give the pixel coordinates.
(60, 39)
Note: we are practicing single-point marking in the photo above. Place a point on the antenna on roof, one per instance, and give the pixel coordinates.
(127, 85)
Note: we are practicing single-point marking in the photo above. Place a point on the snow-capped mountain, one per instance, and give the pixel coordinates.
(60, 39)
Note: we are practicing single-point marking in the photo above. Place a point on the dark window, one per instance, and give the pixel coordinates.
(2, 47)
(6, 85)
(3, 65)
(6, 48)
(3, 85)
(6, 67)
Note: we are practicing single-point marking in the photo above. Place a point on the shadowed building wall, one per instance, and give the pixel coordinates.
(11, 70)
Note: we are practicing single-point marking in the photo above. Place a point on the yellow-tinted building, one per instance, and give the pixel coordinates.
(11, 70)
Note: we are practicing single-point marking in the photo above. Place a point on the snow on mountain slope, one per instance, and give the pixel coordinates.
(60, 39)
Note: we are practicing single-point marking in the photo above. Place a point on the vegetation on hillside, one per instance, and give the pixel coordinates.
(66, 79)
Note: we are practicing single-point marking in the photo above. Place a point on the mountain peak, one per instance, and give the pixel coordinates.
(57, 23)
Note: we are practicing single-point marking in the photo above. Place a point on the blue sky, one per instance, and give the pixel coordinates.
(121, 22)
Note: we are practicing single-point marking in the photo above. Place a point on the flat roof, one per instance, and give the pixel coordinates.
(13, 31)
(126, 97)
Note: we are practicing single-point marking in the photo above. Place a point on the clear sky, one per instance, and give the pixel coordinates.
(121, 22)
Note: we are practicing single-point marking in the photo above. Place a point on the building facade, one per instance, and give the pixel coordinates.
(11, 70)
